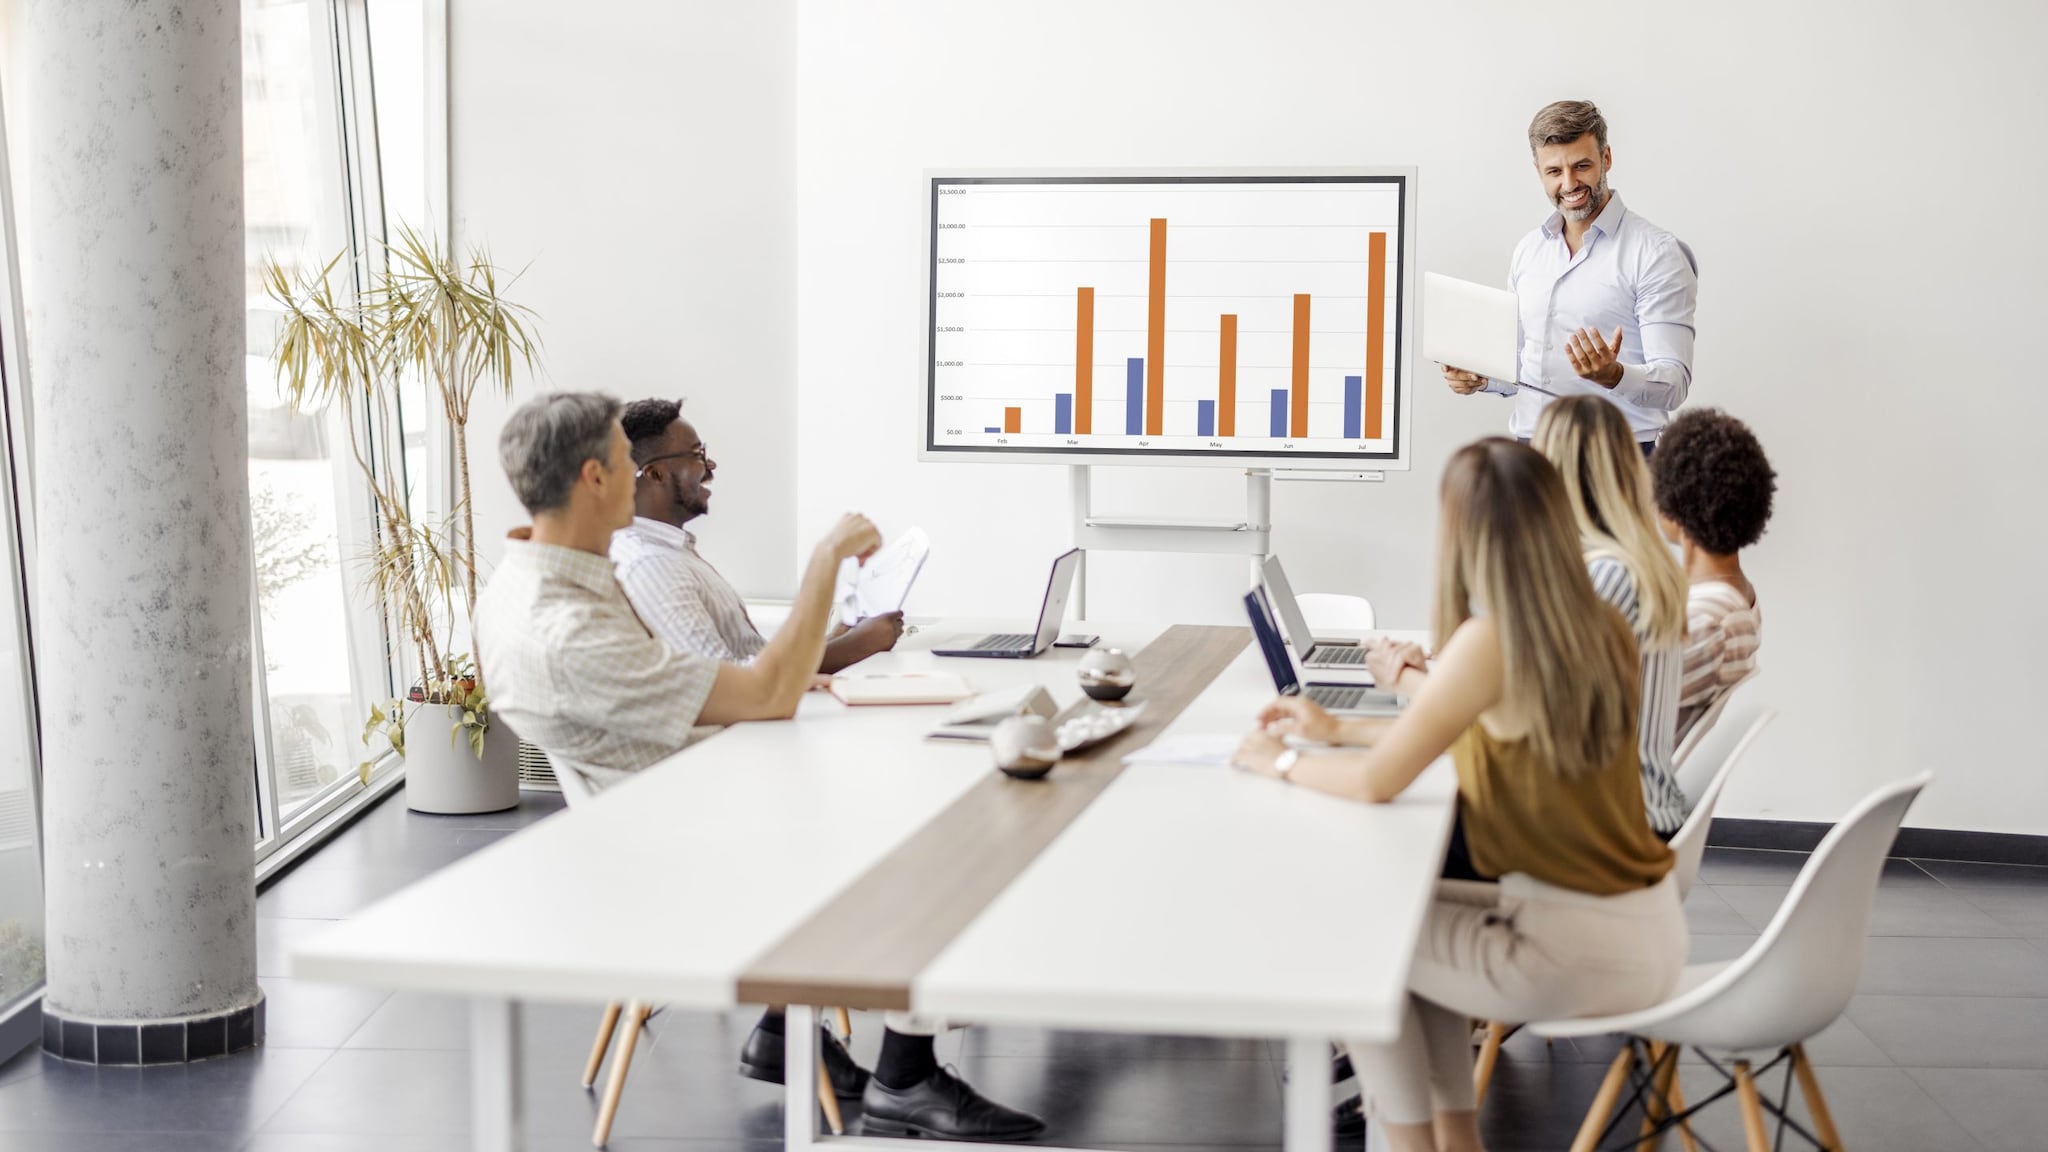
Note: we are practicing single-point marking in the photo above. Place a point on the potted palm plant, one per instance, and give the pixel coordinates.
(444, 323)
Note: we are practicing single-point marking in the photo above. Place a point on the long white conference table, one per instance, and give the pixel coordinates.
(927, 881)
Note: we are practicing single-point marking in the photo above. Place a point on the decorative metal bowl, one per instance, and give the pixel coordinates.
(1107, 674)
(1025, 746)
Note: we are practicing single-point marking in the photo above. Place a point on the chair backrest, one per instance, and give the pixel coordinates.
(1726, 722)
(1798, 977)
(1335, 612)
(575, 789)
(1690, 844)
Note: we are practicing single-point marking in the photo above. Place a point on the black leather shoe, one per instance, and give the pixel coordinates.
(1349, 1119)
(761, 1059)
(943, 1106)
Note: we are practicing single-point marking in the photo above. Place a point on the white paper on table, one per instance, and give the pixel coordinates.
(1196, 749)
(883, 583)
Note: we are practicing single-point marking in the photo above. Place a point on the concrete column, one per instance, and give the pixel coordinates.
(136, 344)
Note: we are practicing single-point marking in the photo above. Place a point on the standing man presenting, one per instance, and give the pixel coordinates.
(1606, 297)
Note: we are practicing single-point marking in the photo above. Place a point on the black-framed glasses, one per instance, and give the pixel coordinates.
(700, 453)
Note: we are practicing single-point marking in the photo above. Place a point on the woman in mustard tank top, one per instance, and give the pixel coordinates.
(1533, 693)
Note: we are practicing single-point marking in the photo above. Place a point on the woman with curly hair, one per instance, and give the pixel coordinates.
(1714, 489)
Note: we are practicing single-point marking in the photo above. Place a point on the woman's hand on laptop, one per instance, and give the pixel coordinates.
(1388, 659)
(1296, 716)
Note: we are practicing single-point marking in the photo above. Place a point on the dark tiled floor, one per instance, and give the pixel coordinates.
(1945, 1046)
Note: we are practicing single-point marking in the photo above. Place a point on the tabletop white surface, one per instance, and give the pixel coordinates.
(668, 884)
(1208, 901)
(1194, 900)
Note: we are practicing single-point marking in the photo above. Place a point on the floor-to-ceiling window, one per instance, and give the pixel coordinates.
(21, 856)
(333, 93)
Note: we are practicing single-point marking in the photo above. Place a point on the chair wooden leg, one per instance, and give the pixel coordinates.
(845, 1023)
(1809, 1087)
(636, 1014)
(1603, 1101)
(603, 1042)
(1664, 1078)
(1752, 1109)
(1677, 1097)
(1489, 1054)
(829, 1100)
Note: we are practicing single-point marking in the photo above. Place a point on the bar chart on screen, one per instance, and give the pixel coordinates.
(1202, 317)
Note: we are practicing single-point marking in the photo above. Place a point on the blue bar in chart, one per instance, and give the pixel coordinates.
(1205, 417)
(1354, 403)
(1134, 396)
(1279, 422)
(1063, 413)
(998, 431)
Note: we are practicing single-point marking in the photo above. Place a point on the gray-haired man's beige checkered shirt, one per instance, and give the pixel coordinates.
(574, 671)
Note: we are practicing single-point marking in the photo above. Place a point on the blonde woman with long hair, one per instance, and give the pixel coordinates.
(1534, 696)
(1608, 486)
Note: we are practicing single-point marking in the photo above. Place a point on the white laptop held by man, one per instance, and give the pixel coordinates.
(1024, 645)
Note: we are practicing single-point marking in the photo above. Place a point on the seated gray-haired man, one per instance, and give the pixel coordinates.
(575, 672)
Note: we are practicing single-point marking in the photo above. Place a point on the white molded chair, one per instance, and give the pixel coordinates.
(1335, 612)
(1726, 720)
(576, 790)
(1792, 983)
(1689, 844)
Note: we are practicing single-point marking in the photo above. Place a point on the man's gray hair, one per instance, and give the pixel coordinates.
(548, 438)
(1566, 121)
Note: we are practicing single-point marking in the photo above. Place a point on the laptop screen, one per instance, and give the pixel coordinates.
(1280, 594)
(1267, 631)
(1053, 612)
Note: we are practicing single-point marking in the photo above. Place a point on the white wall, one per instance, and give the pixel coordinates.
(1861, 183)
(640, 157)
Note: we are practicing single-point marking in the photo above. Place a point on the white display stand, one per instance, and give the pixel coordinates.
(1250, 537)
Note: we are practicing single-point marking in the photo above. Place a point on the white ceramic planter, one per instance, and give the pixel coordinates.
(449, 780)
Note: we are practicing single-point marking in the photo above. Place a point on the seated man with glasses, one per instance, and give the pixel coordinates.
(677, 592)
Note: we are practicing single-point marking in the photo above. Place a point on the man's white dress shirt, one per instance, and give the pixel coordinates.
(1628, 274)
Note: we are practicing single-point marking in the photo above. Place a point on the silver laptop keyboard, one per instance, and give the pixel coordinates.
(1336, 697)
(1005, 642)
(1332, 657)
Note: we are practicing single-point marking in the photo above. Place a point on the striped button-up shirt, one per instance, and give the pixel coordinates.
(1627, 274)
(1657, 720)
(574, 671)
(680, 595)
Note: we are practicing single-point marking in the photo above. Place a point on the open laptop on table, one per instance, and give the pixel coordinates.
(1342, 699)
(1314, 653)
(1023, 645)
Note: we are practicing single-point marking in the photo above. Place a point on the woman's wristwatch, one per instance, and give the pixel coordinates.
(1283, 764)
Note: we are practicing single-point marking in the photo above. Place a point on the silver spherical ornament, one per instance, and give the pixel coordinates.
(1107, 674)
(1025, 746)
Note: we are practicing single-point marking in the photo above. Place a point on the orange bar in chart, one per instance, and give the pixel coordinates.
(1155, 336)
(1375, 331)
(1297, 424)
(1084, 361)
(1226, 379)
(1013, 419)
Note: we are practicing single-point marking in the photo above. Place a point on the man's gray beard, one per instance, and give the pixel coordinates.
(1594, 204)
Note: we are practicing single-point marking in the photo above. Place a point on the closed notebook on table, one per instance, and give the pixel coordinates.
(901, 688)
